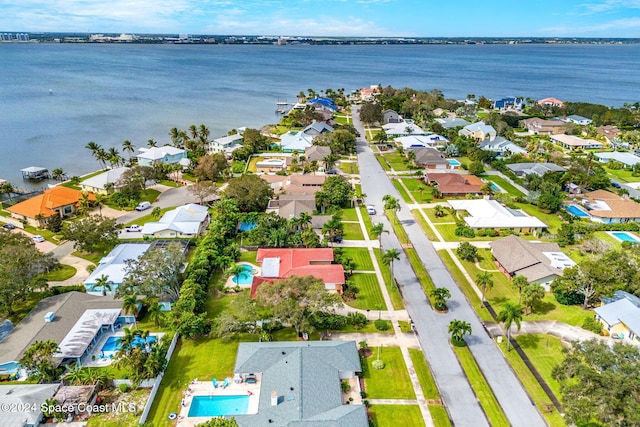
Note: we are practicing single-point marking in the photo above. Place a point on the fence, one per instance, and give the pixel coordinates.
(158, 380)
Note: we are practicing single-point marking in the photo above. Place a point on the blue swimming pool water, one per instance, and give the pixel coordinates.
(113, 343)
(576, 211)
(453, 162)
(215, 406)
(245, 278)
(625, 237)
(494, 187)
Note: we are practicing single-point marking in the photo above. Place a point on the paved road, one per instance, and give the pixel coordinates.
(169, 197)
(432, 327)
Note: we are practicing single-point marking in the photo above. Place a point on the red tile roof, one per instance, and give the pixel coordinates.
(453, 183)
(45, 203)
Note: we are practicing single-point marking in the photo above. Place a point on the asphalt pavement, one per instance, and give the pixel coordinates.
(431, 327)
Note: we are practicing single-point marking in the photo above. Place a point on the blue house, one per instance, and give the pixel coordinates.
(326, 103)
(166, 155)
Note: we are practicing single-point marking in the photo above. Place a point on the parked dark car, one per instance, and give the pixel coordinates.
(8, 226)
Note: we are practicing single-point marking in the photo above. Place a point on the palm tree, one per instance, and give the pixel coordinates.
(84, 203)
(484, 282)
(391, 203)
(440, 296)
(377, 231)
(93, 147)
(329, 161)
(439, 211)
(237, 270)
(304, 221)
(100, 201)
(103, 283)
(155, 312)
(519, 282)
(114, 157)
(458, 329)
(511, 313)
(389, 256)
(349, 265)
(151, 143)
(333, 228)
(130, 306)
(57, 174)
(102, 156)
(126, 342)
(7, 188)
(127, 146)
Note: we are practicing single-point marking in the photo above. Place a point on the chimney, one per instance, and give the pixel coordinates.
(274, 398)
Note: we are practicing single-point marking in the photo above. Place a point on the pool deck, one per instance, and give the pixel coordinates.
(205, 388)
(231, 284)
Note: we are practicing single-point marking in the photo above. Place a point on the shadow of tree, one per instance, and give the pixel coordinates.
(529, 341)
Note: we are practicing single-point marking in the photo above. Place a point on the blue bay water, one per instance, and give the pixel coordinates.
(109, 93)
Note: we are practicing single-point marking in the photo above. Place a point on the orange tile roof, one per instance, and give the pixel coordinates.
(450, 183)
(46, 203)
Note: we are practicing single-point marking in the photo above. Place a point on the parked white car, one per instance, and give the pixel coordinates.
(133, 228)
(143, 206)
(37, 238)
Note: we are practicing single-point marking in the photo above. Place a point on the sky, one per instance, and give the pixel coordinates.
(375, 18)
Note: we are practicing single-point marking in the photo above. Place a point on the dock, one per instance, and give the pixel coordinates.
(35, 173)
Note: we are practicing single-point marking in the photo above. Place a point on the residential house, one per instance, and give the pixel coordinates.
(320, 103)
(317, 153)
(292, 205)
(501, 146)
(295, 183)
(452, 122)
(113, 266)
(609, 132)
(609, 208)
(300, 383)
(538, 126)
(491, 214)
(620, 316)
(579, 120)
(295, 141)
(539, 262)
(390, 116)
(553, 102)
(406, 127)
(627, 159)
(509, 103)
(278, 264)
(415, 141)
(273, 164)
(226, 144)
(454, 184)
(430, 158)
(478, 131)
(182, 222)
(572, 142)
(23, 403)
(368, 93)
(58, 200)
(167, 155)
(100, 183)
(59, 318)
(524, 169)
(317, 128)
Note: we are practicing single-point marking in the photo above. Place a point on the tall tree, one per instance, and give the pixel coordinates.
(127, 146)
(39, 362)
(377, 230)
(251, 193)
(519, 282)
(458, 329)
(531, 294)
(392, 203)
(92, 233)
(203, 190)
(510, 314)
(211, 167)
(484, 282)
(104, 284)
(440, 297)
(389, 256)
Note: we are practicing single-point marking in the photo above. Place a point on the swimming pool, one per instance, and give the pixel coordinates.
(494, 187)
(113, 344)
(246, 277)
(454, 162)
(215, 406)
(576, 211)
(624, 236)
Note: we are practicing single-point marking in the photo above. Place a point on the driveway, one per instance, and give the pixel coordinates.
(170, 197)
(455, 390)
(44, 247)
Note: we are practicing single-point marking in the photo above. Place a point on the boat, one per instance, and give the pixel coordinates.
(282, 103)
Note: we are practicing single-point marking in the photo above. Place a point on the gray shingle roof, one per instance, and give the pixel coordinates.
(519, 256)
(24, 396)
(306, 377)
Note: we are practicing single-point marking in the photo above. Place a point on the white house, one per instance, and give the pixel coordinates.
(478, 131)
(417, 141)
(113, 266)
(573, 142)
(501, 146)
(492, 214)
(295, 141)
(628, 159)
(579, 120)
(226, 144)
(97, 184)
(184, 221)
(406, 127)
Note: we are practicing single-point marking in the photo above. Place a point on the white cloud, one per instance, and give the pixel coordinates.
(597, 30)
(611, 5)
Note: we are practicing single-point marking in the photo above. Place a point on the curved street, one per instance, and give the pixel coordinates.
(455, 391)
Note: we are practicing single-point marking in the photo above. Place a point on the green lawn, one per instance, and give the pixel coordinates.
(394, 294)
(118, 419)
(349, 167)
(352, 231)
(49, 235)
(553, 221)
(149, 195)
(414, 185)
(248, 256)
(397, 227)
(545, 352)
(439, 416)
(429, 388)
(447, 231)
(609, 239)
(501, 182)
(420, 271)
(383, 162)
(482, 390)
(93, 257)
(431, 213)
(622, 174)
(403, 193)
(349, 214)
(393, 381)
(423, 224)
(369, 294)
(397, 161)
(169, 183)
(390, 415)
(63, 272)
(149, 217)
(360, 256)
(368, 224)
(533, 387)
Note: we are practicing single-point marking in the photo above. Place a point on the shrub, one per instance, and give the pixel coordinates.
(357, 320)
(363, 394)
(378, 365)
(464, 231)
(591, 324)
(344, 385)
(123, 387)
(381, 325)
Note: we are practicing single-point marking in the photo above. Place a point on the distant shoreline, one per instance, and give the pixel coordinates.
(131, 38)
